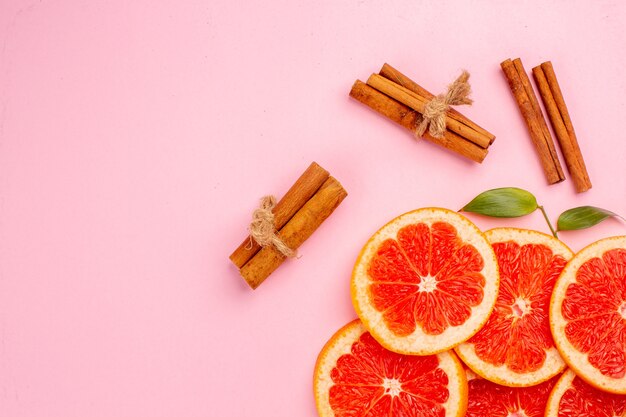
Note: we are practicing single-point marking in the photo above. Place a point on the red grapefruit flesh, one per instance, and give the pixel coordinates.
(486, 399)
(356, 377)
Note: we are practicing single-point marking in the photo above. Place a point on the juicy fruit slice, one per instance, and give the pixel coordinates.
(486, 399)
(515, 347)
(572, 397)
(587, 314)
(425, 282)
(355, 376)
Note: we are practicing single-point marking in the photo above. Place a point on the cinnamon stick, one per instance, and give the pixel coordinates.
(397, 77)
(299, 228)
(535, 122)
(418, 103)
(299, 193)
(409, 119)
(554, 103)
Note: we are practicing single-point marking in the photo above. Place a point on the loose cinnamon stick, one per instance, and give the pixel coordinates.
(535, 122)
(397, 77)
(418, 103)
(552, 96)
(409, 119)
(299, 193)
(296, 231)
(542, 121)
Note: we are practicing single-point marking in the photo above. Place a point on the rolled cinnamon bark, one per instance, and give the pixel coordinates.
(409, 119)
(554, 103)
(299, 193)
(298, 229)
(535, 122)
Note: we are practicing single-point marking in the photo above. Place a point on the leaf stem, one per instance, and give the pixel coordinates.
(545, 216)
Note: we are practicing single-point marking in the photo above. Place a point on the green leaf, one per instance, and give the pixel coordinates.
(582, 217)
(503, 202)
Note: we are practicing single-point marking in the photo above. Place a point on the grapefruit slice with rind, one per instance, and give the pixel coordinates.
(486, 399)
(588, 314)
(356, 377)
(425, 282)
(515, 347)
(573, 397)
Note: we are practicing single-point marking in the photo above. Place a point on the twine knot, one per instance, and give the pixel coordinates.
(263, 230)
(434, 116)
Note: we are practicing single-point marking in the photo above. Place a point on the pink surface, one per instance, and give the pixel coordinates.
(136, 138)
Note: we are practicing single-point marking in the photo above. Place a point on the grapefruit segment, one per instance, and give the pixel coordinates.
(571, 397)
(425, 282)
(486, 399)
(356, 377)
(587, 314)
(515, 347)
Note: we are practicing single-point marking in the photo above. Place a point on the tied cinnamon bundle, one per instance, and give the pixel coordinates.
(279, 228)
(397, 97)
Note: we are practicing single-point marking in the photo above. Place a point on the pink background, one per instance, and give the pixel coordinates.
(136, 138)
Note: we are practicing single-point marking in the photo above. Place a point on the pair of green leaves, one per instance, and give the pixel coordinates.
(515, 202)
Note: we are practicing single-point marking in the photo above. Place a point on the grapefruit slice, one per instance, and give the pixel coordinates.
(515, 347)
(572, 397)
(425, 282)
(356, 377)
(486, 399)
(588, 311)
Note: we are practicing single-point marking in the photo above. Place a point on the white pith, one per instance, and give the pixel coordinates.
(427, 284)
(577, 360)
(392, 386)
(419, 342)
(520, 307)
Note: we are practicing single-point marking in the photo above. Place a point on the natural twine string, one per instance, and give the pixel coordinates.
(434, 116)
(262, 228)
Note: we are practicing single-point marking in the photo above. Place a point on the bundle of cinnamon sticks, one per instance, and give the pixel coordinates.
(400, 99)
(309, 201)
(537, 128)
